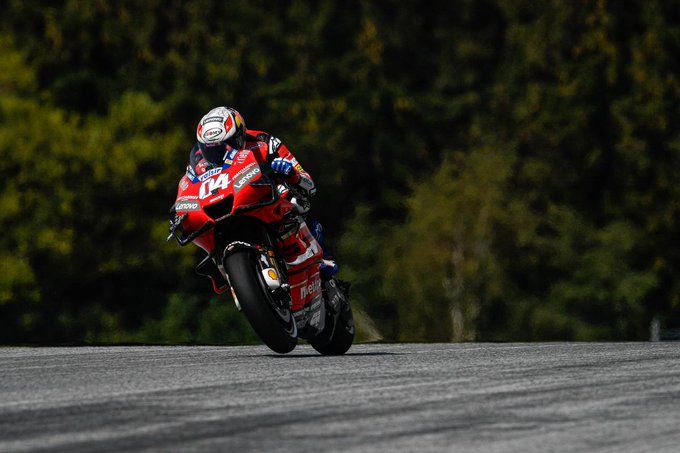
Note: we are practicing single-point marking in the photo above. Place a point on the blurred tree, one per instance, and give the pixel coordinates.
(441, 268)
(574, 260)
(73, 189)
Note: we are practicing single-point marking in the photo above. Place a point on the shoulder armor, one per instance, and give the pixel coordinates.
(274, 144)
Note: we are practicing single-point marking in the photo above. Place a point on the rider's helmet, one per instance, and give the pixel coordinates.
(219, 131)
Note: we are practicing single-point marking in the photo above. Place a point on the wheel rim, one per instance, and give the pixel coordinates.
(283, 315)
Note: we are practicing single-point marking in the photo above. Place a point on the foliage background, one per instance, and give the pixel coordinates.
(489, 169)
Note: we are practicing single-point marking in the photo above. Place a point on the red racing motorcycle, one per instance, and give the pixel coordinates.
(249, 223)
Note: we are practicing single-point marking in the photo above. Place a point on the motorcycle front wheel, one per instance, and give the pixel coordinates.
(274, 324)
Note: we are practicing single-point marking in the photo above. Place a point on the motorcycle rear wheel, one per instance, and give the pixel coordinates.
(342, 337)
(274, 325)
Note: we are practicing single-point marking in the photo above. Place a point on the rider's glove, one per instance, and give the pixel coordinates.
(282, 166)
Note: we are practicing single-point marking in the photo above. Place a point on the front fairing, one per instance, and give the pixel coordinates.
(237, 187)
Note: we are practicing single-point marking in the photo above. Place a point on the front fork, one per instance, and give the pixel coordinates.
(270, 269)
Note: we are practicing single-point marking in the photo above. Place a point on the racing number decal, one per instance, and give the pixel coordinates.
(211, 185)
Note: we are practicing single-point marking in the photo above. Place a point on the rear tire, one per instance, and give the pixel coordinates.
(275, 326)
(343, 335)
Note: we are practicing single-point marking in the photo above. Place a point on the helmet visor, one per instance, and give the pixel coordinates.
(215, 153)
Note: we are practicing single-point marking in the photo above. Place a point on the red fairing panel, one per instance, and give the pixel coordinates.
(303, 255)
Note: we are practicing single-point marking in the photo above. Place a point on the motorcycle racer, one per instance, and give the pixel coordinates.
(222, 132)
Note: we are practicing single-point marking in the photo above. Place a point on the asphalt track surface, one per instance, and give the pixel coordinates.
(440, 397)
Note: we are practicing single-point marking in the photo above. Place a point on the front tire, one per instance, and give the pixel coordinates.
(273, 324)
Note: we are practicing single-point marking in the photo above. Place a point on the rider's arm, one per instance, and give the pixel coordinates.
(276, 149)
(299, 177)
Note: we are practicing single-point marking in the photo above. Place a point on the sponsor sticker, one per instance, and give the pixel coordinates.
(212, 132)
(242, 156)
(190, 174)
(306, 184)
(211, 119)
(232, 245)
(209, 174)
(246, 178)
(187, 206)
(310, 289)
(316, 318)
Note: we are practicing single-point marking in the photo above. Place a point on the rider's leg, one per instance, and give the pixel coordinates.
(328, 267)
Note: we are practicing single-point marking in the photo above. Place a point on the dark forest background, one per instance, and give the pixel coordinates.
(488, 170)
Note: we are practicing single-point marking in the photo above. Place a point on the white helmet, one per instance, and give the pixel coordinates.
(218, 131)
